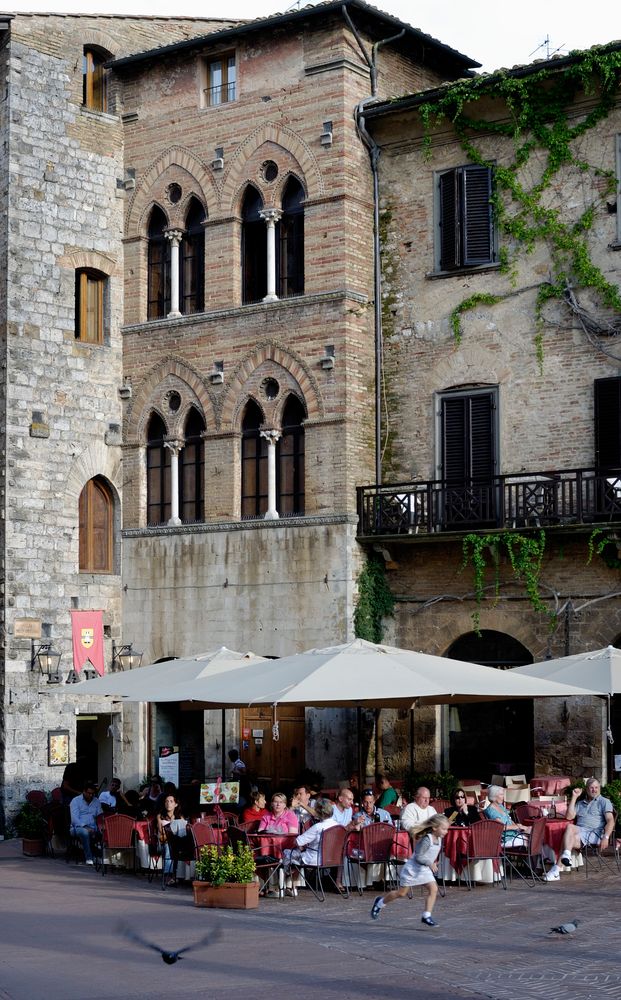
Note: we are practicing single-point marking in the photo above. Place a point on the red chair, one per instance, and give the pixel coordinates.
(485, 844)
(268, 867)
(530, 855)
(440, 804)
(118, 835)
(56, 794)
(36, 798)
(373, 846)
(525, 811)
(331, 855)
(251, 827)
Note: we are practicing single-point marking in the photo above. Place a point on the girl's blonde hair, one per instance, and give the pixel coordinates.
(430, 825)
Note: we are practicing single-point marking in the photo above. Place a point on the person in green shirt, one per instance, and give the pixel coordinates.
(388, 796)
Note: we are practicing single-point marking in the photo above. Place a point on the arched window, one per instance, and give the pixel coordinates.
(158, 266)
(254, 248)
(192, 295)
(254, 463)
(96, 527)
(290, 482)
(94, 80)
(192, 469)
(158, 473)
(291, 241)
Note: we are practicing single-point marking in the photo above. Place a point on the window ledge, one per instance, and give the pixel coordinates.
(100, 116)
(615, 246)
(249, 524)
(481, 269)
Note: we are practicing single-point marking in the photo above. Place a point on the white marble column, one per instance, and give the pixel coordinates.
(174, 236)
(175, 448)
(271, 216)
(272, 438)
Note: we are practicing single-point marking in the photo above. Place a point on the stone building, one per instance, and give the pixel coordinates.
(514, 427)
(188, 356)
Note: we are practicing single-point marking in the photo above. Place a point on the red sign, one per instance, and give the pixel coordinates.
(245, 734)
(88, 645)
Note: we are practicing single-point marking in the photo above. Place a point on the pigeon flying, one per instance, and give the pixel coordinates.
(170, 957)
(567, 928)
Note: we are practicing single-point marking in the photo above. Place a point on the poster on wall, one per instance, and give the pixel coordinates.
(168, 768)
(57, 747)
(218, 792)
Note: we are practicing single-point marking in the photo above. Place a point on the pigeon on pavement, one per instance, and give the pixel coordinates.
(567, 928)
(170, 957)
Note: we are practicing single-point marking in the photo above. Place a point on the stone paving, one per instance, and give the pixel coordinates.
(60, 940)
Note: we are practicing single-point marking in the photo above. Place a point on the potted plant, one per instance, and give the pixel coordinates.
(29, 824)
(226, 878)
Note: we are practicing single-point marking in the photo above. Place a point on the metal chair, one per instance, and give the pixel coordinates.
(593, 852)
(330, 856)
(374, 845)
(524, 811)
(529, 856)
(268, 867)
(118, 835)
(485, 844)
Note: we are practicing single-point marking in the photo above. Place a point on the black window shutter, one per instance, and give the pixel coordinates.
(454, 439)
(607, 423)
(477, 215)
(482, 450)
(468, 439)
(449, 228)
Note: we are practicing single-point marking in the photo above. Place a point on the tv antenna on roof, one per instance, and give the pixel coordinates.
(546, 45)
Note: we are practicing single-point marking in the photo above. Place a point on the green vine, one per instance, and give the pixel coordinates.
(539, 108)
(525, 555)
(375, 601)
(603, 545)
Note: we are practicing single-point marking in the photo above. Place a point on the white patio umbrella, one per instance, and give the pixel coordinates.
(598, 670)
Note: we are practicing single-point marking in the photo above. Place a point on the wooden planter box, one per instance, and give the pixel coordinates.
(32, 847)
(229, 896)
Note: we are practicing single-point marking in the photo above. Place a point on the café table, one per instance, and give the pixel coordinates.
(553, 840)
(402, 850)
(452, 864)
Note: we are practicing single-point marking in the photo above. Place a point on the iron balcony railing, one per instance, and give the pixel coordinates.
(524, 500)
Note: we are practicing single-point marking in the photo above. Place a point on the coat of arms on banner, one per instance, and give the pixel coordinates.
(87, 637)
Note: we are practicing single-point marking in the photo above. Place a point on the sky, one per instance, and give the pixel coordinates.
(492, 32)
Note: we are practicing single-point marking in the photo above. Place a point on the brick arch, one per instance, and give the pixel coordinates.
(294, 365)
(78, 259)
(282, 183)
(176, 156)
(96, 460)
(143, 399)
(92, 37)
(470, 365)
(287, 139)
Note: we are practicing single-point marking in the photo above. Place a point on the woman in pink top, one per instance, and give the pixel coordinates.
(279, 819)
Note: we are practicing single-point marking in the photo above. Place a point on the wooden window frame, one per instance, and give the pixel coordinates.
(94, 90)
(87, 560)
(215, 95)
(466, 237)
(87, 331)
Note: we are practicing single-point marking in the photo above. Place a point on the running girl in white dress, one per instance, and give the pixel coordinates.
(420, 868)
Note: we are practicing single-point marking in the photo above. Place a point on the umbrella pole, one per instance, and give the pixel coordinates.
(223, 743)
(361, 780)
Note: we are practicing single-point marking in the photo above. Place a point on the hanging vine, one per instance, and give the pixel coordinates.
(375, 601)
(525, 555)
(539, 106)
(601, 544)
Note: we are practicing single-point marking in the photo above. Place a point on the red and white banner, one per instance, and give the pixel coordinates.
(88, 644)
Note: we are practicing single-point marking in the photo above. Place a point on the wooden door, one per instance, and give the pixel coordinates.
(274, 761)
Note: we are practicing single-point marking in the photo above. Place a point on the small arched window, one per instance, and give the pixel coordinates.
(192, 471)
(290, 484)
(96, 527)
(254, 463)
(94, 80)
(192, 294)
(254, 248)
(291, 241)
(158, 266)
(158, 472)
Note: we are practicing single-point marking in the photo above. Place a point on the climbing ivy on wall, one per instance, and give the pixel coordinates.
(375, 601)
(540, 119)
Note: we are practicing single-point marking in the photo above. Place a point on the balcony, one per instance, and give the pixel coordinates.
(526, 500)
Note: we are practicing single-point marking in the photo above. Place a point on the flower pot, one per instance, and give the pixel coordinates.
(33, 847)
(228, 896)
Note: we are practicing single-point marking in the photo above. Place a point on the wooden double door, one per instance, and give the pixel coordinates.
(273, 761)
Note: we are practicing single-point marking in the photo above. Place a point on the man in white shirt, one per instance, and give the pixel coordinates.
(417, 811)
(344, 811)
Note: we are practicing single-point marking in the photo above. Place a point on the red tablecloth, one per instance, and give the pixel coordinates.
(553, 837)
(455, 847)
(550, 784)
(142, 828)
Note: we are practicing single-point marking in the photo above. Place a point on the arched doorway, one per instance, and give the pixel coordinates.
(495, 737)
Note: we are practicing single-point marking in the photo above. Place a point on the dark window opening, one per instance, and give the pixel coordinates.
(290, 262)
(192, 469)
(465, 218)
(290, 466)
(468, 426)
(254, 248)
(158, 296)
(192, 291)
(254, 463)
(158, 473)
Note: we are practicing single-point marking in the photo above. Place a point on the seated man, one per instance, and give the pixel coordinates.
(388, 796)
(369, 812)
(84, 810)
(594, 824)
(418, 811)
(303, 805)
(344, 811)
(113, 800)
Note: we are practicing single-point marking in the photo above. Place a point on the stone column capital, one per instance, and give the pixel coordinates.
(174, 235)
(174, 446)
(271, 436)
(270, 215)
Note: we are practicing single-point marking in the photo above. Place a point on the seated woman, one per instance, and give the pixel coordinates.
(459, 813)
(279, 819)
(514, 834)
(307, 850)
(171, 829)
(256, 810)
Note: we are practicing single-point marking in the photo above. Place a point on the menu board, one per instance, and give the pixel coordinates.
(168, 767)
(219, 792)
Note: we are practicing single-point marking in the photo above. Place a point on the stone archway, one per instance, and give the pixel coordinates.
(486, 738)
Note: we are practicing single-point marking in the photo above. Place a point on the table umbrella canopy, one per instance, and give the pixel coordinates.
(357, 673)
(598, 670)
(159, 681)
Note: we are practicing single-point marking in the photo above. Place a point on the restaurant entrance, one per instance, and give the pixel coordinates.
(269, 760)
(487, 738)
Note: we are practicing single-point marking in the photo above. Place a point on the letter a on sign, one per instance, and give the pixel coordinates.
(87, 632)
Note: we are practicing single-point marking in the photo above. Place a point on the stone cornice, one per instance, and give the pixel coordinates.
(254, 524)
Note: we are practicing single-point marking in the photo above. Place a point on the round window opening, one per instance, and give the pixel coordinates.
(174, 401)
(174, 193)
(271, 388)
(270, 171)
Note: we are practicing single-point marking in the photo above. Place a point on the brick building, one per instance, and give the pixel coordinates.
(188, 356)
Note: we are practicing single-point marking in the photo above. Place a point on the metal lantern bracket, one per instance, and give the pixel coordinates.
(47, 659)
